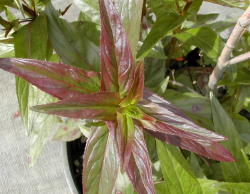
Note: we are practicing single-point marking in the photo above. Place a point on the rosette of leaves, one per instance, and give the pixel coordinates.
(125, 108)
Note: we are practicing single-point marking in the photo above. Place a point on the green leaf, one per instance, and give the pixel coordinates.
(238, 171)
(90, 9)
(232, 3)
(194, 105)
(101, 162)
(204, 38)
(179, 178)
(6, 2)
(154, 72)
(40, 126)
(209, 186)
(131, 11)
(169, 21)
(6, 50)
(125, 138)
(123, 184)
(235, 188)
(160, 6)
(71, 42)
(30, 42)
(68, 129)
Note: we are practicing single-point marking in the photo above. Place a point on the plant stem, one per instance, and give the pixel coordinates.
(223, 61)
(239, 59)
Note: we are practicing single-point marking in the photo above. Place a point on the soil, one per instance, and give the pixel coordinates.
(75, 151)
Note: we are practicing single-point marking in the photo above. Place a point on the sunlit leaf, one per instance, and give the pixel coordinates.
(179, 179)
(238, 171)
(170, 21)
(204, 38)
(101, 162)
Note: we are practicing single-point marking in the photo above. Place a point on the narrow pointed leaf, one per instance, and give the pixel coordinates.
(164, 111)
(71, 42)
(164, 118)
(136, 91)
(116, 55)
(101, 162)
(125, 137)
(100, 106)
(57, 79)
(139, 169)
(179, 179)
(131, 14)
(170, 20)
(238, 171)
(211, 150)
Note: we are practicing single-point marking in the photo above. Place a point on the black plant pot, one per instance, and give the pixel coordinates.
(73, 157)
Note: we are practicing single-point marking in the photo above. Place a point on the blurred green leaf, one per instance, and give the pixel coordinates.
(68, 129)
(232, 3)
(235, 188)
(179, 178)
(40, 126)
(154, 72)
(209, 186)
(238, 171)
(204, 38)
(194, 105)
(169, 21)
(90, 9)
(131, 11)
(6, 2)
(160, 6)
(6, 50)
(71, 42)
(30, 41)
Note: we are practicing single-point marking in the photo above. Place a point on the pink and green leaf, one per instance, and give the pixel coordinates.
(164, 112)
(57, 79)
(99, 106)
(136, 91)
(167, 123)
(125, 137)
(117, 62)
(101, 162)
(139, 169)
(211, 150)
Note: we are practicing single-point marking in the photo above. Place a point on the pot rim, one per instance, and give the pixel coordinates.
(66, 169)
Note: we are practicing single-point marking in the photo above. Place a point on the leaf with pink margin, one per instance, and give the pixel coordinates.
(163, 111)
(99, 106)
(139, 169)
(100, 162)
(57, 79)
(117, 68)
(211, 150)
